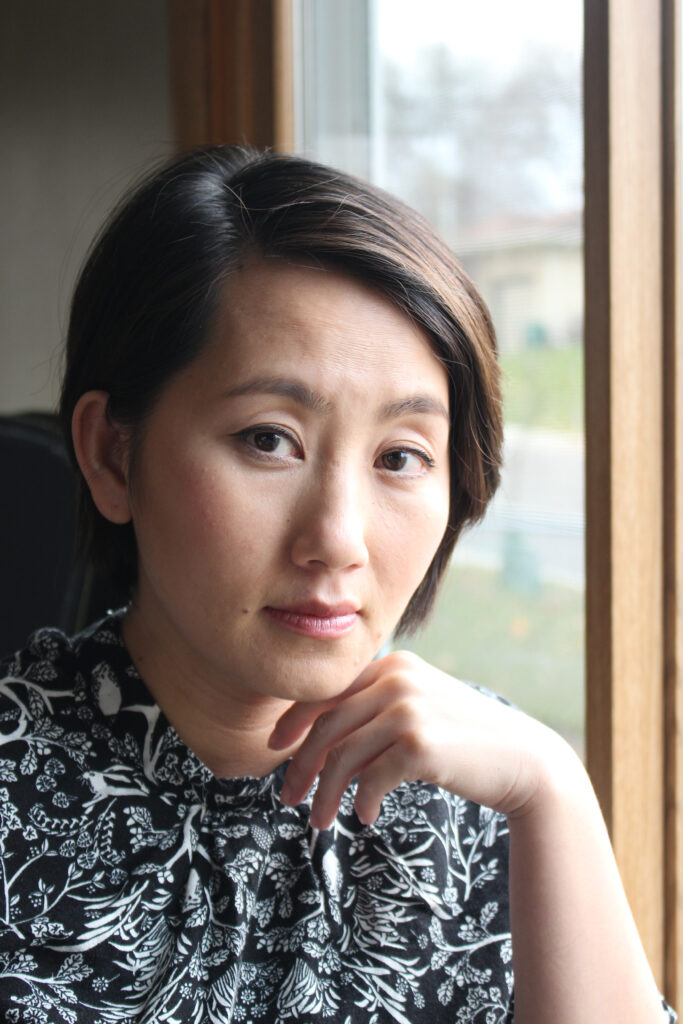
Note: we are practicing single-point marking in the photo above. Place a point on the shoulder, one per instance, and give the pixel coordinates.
(47, 692)
(51, 665)
(33, 680)
(39, 660)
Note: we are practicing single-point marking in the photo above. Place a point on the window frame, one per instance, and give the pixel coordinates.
(231, 72)
(633, 500)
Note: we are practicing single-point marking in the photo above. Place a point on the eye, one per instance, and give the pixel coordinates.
(406, 461)
(273, 441)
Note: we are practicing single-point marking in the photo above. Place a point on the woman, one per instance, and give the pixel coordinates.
(282, 396)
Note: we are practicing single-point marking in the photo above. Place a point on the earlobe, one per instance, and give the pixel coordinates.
(101, 451)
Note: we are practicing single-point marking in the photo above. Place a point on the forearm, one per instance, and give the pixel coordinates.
(577, 954)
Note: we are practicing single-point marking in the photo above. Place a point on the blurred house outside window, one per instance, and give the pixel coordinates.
(472, 114)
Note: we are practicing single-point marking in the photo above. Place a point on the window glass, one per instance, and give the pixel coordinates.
(472, 114)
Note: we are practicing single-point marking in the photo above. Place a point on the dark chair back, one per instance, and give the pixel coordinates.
(41, 582)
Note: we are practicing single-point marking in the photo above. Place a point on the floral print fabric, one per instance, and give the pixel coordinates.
(138, 887)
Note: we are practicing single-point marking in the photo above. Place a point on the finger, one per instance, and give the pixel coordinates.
(329, 730)
(294, 723)
(346, 760)
(300, 716)
(387, 771)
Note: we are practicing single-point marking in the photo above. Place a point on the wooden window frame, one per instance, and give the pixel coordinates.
(231, 71)
(232, 80)
(633, 455)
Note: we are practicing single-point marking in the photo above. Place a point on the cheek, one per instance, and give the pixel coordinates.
(201, 522)
(405, 550)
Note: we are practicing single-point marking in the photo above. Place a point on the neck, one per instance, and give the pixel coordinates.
(229, 734)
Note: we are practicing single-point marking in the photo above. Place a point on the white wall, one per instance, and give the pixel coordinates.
(83, 110)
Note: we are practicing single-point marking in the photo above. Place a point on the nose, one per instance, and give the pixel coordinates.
(330, 528)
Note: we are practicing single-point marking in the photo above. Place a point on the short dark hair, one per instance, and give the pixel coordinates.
(147, 296)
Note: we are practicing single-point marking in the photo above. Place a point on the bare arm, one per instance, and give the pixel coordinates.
(576, 951)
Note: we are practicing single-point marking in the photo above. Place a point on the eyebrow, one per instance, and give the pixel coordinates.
(416, 403)
(293, 389)
(310, 399)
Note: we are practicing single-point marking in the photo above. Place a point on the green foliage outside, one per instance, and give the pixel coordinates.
(528, 647)
(543, 387)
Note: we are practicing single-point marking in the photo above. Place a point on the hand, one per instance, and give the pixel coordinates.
(403, 720)
(577, 952)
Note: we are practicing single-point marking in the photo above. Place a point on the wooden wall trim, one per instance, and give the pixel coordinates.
(624, 428)
(673, 498)
(283, 75)
(231, 72)
(189, 72)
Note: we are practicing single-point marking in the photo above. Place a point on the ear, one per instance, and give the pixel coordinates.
(102, 452)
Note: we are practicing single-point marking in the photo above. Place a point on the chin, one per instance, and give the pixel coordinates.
(312, 683)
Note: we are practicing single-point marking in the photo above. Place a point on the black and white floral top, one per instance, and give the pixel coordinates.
(138, 887)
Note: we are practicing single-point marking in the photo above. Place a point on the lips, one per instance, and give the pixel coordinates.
(319, 609)
(316, 618)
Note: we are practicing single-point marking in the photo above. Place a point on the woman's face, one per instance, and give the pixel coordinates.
(292, 486)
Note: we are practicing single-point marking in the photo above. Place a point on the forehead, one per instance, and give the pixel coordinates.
(324, 320)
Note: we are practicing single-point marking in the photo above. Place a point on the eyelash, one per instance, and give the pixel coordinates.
(426, 460)
(247, 436)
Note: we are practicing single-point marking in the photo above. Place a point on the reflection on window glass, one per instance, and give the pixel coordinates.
(472, 114)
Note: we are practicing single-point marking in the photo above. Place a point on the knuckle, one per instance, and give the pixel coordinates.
(404, 676)
(405, 659)
(404, 715)
(336, 758)
(411, 728)
(401, 687)
(322, 724)
(415, 743)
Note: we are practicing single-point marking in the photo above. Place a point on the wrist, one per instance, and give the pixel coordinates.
(554, 778)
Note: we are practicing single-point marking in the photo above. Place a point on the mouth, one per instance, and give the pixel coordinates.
(316, 619)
